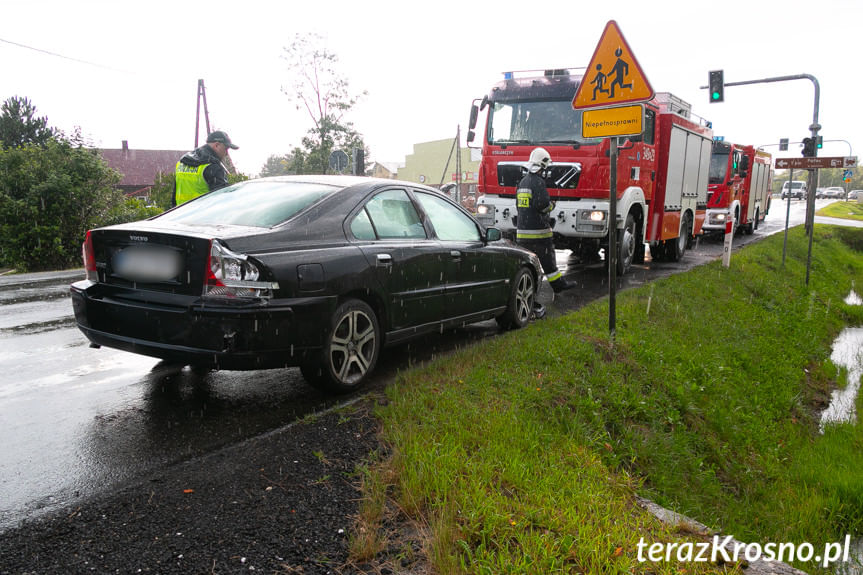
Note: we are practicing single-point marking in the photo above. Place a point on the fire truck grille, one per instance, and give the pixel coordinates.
(561, 176)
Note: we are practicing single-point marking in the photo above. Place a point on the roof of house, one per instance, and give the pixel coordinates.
(139, 167)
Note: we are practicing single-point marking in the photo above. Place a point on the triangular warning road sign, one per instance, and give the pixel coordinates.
(613, 76)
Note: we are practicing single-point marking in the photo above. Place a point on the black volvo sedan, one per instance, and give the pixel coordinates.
(319, 272)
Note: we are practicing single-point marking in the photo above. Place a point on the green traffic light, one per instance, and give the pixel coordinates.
(715, 95)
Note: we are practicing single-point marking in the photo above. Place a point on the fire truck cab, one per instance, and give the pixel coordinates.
(739, 188)
(661, 173)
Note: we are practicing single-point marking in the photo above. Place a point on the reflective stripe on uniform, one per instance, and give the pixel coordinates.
(533, 234)
(554, 277)
(190, 182)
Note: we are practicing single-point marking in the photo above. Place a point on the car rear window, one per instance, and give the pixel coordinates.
(256, 204)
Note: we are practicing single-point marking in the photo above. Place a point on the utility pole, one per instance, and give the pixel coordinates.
(202, 95)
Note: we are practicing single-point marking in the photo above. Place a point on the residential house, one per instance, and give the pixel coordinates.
(140, 167)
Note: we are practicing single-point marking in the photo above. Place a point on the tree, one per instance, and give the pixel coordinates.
(162, 191)
(20, 126)
(50, 195)
(324, 94)
(276, 166)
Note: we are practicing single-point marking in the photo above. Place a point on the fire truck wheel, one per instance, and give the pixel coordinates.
(757, 215)
(657, 252)
(677, 247)
(626, 246)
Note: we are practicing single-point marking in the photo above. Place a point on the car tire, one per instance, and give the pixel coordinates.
(520, 304)
(350, 352)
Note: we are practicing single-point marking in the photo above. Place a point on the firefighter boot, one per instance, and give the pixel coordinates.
(538, 311)
(561, 284)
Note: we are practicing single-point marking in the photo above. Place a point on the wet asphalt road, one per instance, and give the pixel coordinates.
(75, 421)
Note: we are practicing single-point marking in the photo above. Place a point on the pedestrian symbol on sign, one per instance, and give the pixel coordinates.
(623, 83)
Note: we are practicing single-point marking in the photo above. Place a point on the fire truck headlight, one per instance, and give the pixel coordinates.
(597, 216)
(720, 217)
(482, 209)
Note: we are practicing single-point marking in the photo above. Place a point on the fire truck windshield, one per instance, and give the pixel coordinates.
(535, 122)
(718, 167)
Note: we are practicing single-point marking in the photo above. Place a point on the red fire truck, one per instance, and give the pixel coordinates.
(740, 185)
(661, 174)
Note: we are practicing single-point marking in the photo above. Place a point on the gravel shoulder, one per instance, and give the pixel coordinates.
(282, 502)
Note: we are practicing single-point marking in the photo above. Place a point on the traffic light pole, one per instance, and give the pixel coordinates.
(813, 128)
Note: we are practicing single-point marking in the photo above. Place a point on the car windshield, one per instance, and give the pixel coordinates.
(535, 122)
(260, 204)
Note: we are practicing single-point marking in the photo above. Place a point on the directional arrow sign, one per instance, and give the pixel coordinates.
(816, 163)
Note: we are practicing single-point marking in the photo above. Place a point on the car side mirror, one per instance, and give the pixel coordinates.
(492, 234)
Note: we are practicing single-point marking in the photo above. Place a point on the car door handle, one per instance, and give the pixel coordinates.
(456, 255)
(384, 260)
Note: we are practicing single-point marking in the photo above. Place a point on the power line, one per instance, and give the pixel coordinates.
(62, 56)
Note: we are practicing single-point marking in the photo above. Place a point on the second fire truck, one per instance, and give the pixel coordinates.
(740, 185)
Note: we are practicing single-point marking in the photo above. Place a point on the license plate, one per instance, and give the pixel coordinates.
(147, 264)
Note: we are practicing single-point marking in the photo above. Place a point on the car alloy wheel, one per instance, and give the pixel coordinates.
(353, 346)
(350, 351)
(520, 304)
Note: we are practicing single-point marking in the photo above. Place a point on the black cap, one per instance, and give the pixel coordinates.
(222, 138)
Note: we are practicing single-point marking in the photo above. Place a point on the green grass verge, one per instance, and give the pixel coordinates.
(850, 210)
(523, 454)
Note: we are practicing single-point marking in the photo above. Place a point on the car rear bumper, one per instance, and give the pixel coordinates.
(192, 330)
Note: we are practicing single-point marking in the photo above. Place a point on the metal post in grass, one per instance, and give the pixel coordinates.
(787, 213)
(612, 240)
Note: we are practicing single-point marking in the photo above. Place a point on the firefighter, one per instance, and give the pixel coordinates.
(534, 225)
(201, 170)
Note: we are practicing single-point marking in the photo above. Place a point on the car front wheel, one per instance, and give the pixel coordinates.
(350, 351)
(521, 299)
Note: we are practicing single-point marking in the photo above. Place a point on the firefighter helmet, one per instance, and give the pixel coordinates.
(539, 160)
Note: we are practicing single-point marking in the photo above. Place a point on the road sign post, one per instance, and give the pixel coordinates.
(611, 85)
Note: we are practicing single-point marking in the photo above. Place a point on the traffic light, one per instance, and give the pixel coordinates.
(716, 86)
(808, 147)
(820, 142)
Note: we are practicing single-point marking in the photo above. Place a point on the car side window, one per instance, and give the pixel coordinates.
(449, 222)
(394, 216)
(362, 228)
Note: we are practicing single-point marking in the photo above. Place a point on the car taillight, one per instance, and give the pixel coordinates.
(232, 275)
(89, 259)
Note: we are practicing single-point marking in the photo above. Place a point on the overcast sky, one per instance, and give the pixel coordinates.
(129, 71)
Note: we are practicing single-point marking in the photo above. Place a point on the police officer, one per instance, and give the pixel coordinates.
(534, 226)
(201, 170)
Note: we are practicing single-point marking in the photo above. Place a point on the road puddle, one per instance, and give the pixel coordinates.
(847, 353)
(853, 299)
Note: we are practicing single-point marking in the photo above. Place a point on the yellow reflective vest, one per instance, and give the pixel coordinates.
(190, 182)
